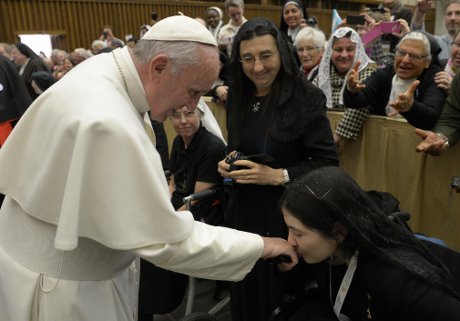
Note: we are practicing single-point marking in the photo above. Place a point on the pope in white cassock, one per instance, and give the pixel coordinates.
(85, 193)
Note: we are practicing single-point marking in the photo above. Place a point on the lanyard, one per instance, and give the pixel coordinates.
(344, 286)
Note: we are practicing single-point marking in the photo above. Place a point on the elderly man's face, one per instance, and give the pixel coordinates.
(452, 18)
(167, 91)
(410, 59)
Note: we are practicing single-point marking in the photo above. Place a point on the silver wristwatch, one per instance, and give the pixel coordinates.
(445, 139)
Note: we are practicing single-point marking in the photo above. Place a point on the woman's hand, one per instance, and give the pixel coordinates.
(353, 83)
(443, 80)
(255, 173)
(404, 29)
(221, 93)
(405, 100)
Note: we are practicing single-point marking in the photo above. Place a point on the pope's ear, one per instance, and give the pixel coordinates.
(158, 64)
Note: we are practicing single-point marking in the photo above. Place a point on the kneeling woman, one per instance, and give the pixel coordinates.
(366, 265)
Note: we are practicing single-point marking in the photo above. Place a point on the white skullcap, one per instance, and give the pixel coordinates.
(180, 28)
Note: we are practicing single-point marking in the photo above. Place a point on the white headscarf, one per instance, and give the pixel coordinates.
(209, 121)
(215, 31)
(324, 75)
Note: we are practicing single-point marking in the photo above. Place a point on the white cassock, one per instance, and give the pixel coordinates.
(86, 195)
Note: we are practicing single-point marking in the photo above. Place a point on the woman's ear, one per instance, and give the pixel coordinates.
(340, 232)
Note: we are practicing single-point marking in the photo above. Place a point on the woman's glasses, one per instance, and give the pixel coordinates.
(413, 57)
(264, 58)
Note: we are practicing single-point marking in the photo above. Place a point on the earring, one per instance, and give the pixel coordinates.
(339, 239)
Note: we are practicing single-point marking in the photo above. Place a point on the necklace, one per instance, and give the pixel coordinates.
(257, 105)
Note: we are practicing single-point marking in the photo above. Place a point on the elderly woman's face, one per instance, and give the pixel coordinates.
(212, 18)
(261, 62)
(455, 51)
(186, 122)
(309, 53)
(343, 54)
(292, 15)
(410, 59)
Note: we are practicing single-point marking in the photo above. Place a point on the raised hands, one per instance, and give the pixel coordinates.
(353, 83)
(405, 100)
(404, 28)
(432, 143)
(424, 5)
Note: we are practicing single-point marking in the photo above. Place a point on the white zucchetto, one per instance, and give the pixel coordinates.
(180, 28)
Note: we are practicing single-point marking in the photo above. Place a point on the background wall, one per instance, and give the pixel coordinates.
(76, 23)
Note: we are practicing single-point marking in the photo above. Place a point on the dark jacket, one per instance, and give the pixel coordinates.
(428, 98)
(14, 98)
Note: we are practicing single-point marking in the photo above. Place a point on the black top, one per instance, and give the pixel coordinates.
(385, 292)
(197, 163)
(428, 97)
(14, 97)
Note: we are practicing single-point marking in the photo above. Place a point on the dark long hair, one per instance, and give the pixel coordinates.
(327, 196)
(242, 89)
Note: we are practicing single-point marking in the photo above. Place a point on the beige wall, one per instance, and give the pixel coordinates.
(384, 159)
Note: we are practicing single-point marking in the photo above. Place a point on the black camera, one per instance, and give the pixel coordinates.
(154, 16)
(233, 157)
(256, 158)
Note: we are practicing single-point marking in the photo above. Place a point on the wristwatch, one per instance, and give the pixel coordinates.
(445, 139)
(286, 178)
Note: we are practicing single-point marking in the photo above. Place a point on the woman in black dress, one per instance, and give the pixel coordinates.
(274, 111)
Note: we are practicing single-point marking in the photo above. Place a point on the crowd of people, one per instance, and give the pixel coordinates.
(82, 170)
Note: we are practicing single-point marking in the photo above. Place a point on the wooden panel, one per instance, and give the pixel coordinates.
(81, 21)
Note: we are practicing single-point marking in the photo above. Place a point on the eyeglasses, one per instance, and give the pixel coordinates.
(413, 57)
(187, 114)
(307, 49)
(264, 58)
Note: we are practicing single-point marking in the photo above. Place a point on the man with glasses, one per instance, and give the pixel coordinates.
(451, 20)
(406, 89)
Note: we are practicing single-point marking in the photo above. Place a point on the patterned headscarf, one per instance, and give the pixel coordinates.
(324, 75)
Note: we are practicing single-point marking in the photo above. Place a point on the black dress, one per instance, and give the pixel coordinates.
(297, 134)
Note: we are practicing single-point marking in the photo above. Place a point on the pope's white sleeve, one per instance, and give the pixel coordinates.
(209, 252)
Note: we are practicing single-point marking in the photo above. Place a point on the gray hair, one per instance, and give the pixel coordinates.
(418, 36)
(310, 34)
(181, 53)
(234, 3)
(7, 47)
(98, 42)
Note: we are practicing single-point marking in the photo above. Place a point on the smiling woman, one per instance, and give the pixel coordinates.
(292, 16)
(273, 111)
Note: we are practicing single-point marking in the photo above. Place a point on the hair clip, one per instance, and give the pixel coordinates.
(318, 197)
